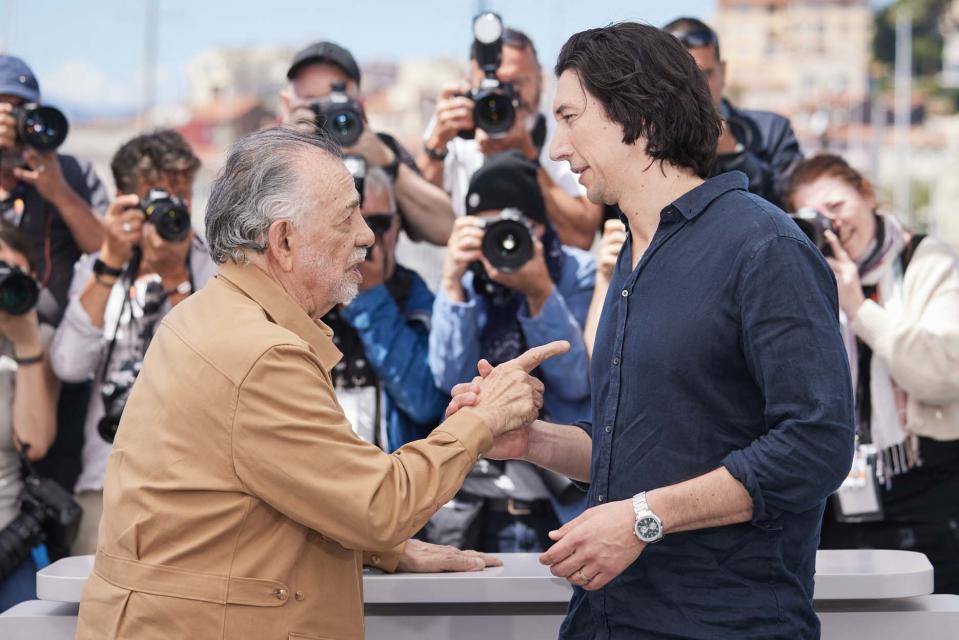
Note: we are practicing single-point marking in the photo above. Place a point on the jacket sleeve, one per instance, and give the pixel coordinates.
(562, 318)
(769, 173)
(795, 354)
(398, 351)
(920, 346)
(454, 341)
(77, 347)
(293, 448)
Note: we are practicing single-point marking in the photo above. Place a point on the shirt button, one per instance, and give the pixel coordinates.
(299, 595)
(615, 360)
(609, 428)
(625, 293)
(375, 559)
(600, 497)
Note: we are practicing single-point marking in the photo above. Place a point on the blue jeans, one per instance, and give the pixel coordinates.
(20, 585)
(506, 533)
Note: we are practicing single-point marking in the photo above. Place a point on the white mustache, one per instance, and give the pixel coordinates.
(358, 256)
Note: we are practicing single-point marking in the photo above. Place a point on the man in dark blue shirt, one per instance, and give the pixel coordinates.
(721, 399)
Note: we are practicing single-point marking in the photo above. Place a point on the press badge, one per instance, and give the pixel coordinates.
(858, 498)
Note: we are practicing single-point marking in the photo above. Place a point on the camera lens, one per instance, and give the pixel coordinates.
(494, 112)
(170, 218)
(344, 126)
(507, 244)
(43, 128)
(18, 291)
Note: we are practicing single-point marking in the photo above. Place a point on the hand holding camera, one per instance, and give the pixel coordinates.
(531, 277)
(847, 277)
(124, 222)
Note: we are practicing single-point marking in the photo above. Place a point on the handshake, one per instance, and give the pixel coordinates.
(506, 397)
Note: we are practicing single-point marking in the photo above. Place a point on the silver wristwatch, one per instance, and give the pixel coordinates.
(648, 526)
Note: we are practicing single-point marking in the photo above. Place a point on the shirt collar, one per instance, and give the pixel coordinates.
(694, 202)
(282, 309)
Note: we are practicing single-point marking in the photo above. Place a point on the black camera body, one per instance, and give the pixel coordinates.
(814, 225)
(167, 213)
(115, 391)
(48, 514)
(18, 291)
(508, 240)
(494, 108)
(40, 127)
(339, 115)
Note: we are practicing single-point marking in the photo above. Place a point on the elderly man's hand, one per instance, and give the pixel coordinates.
(423, 557)
(509, 398)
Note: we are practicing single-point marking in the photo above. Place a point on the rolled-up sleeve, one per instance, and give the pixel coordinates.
(78, 344)
(795, 354)
(454, 341)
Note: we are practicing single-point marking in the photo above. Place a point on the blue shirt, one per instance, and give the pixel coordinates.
(722, 348)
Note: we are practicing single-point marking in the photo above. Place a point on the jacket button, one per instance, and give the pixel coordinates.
(375, 559)
(280, 594)
(299, 595)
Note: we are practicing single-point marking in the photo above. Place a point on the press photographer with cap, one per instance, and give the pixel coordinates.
(238, 501)
(325, 75)
(493, 305)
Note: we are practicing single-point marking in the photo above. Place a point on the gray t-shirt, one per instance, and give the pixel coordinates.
(10, 483)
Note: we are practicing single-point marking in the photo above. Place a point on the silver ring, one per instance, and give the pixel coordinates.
(127, 227)
(41, 168)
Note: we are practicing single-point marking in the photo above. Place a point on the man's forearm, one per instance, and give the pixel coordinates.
(431, 169)
(714, 499)
(428, 211)
(84, 224)
(562, 448)
(575, 219)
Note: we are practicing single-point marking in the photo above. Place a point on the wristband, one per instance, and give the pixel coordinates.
(433, 154)
(183, 289)
(29, 359)
(102, 268)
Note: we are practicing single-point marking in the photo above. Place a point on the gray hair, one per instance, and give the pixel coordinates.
(378, 181)
(258, 185)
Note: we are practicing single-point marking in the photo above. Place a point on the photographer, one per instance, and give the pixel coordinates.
(482, 311)
(28, 399)
(899, 294)
(449, 160)
(425, 210)
(55, 200)
(384, 382)
(760, 144)
(120, 294)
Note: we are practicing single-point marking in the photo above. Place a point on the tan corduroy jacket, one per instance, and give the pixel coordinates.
(238, 502)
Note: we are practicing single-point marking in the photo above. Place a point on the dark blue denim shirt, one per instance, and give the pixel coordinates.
(722, 348)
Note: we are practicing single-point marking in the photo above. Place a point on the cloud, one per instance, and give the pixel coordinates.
(82, 84)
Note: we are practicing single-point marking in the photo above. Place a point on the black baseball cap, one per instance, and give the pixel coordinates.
(16, 79)
(507, 180)
(328, 52)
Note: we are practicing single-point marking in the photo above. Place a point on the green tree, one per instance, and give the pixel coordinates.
(926, 35)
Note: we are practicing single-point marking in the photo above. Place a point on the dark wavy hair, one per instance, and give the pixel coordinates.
(146, 157)
(648, 83)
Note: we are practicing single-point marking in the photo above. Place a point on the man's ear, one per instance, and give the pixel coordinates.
(280, 243)
(286, 99)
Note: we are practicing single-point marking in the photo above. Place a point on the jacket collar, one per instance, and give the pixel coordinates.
(282, 309)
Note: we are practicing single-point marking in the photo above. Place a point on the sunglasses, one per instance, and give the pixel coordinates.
(695, 39)
(379, 223)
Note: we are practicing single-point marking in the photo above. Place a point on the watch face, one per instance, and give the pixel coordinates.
(648, 528)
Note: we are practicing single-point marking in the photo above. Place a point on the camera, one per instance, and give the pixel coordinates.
(167, 213)
(115, 391)
(508, 240)
(18, 291)
(41, 127)
(814, 225)
(340, 115)
(48, 514)
(494, 109)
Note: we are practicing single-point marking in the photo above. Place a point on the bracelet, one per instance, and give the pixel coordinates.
(102, 268)
(184, 288)
(433, 154)
(29, 359)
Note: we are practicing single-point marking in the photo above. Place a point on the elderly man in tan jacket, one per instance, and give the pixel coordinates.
(238, 503)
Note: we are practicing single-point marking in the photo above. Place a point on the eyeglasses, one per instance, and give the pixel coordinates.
(695, 39)
(379, 223)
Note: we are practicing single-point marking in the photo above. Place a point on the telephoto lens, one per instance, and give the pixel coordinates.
(494, 111)
(167, 213)
(814, 224)
(340, 115)
(18, 291)
(508, 240)
(43, 128)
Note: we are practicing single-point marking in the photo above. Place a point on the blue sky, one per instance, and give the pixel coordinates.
(89, 53)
